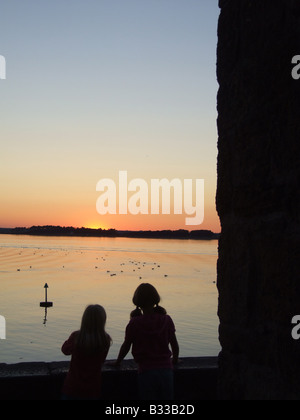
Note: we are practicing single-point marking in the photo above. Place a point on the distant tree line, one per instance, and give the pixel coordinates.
(110, 233)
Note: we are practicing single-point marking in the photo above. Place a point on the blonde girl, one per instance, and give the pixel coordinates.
(89, 348)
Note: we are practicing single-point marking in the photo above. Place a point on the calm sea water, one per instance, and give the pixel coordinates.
(82, 271)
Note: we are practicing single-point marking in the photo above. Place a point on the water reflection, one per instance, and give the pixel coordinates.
(45, 317)
(84, 271)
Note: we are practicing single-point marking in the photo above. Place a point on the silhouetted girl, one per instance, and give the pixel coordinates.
(89, 348)
(150, 332)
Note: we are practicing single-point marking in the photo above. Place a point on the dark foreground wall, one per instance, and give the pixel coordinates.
(195, 379)
(258, 198)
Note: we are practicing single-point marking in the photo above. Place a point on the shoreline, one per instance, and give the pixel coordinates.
(58, 231)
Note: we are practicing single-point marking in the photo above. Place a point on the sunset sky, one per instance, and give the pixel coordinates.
(95, 87)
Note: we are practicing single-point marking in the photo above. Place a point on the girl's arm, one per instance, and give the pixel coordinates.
(175, 348)
(68, 346)
(124, 350)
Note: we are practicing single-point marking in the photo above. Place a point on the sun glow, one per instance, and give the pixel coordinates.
(95, 226)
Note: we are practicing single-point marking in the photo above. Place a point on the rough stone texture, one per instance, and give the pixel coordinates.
(258, 198)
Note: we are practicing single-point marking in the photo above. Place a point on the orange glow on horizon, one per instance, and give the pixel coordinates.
(78, 215)
(118, 222)
(95, 226)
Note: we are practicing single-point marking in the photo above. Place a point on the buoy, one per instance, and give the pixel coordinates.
(46, 304)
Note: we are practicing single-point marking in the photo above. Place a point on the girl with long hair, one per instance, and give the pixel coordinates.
(89, 348)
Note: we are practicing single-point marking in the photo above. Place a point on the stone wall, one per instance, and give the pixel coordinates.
(195, 379)
(258, 198)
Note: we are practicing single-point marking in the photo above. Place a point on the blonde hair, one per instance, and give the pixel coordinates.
(92, 337)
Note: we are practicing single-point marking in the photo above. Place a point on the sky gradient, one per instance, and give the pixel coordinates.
(96, 87)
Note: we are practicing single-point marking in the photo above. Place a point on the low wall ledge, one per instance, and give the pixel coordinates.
(195, 379)
(27, 369)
